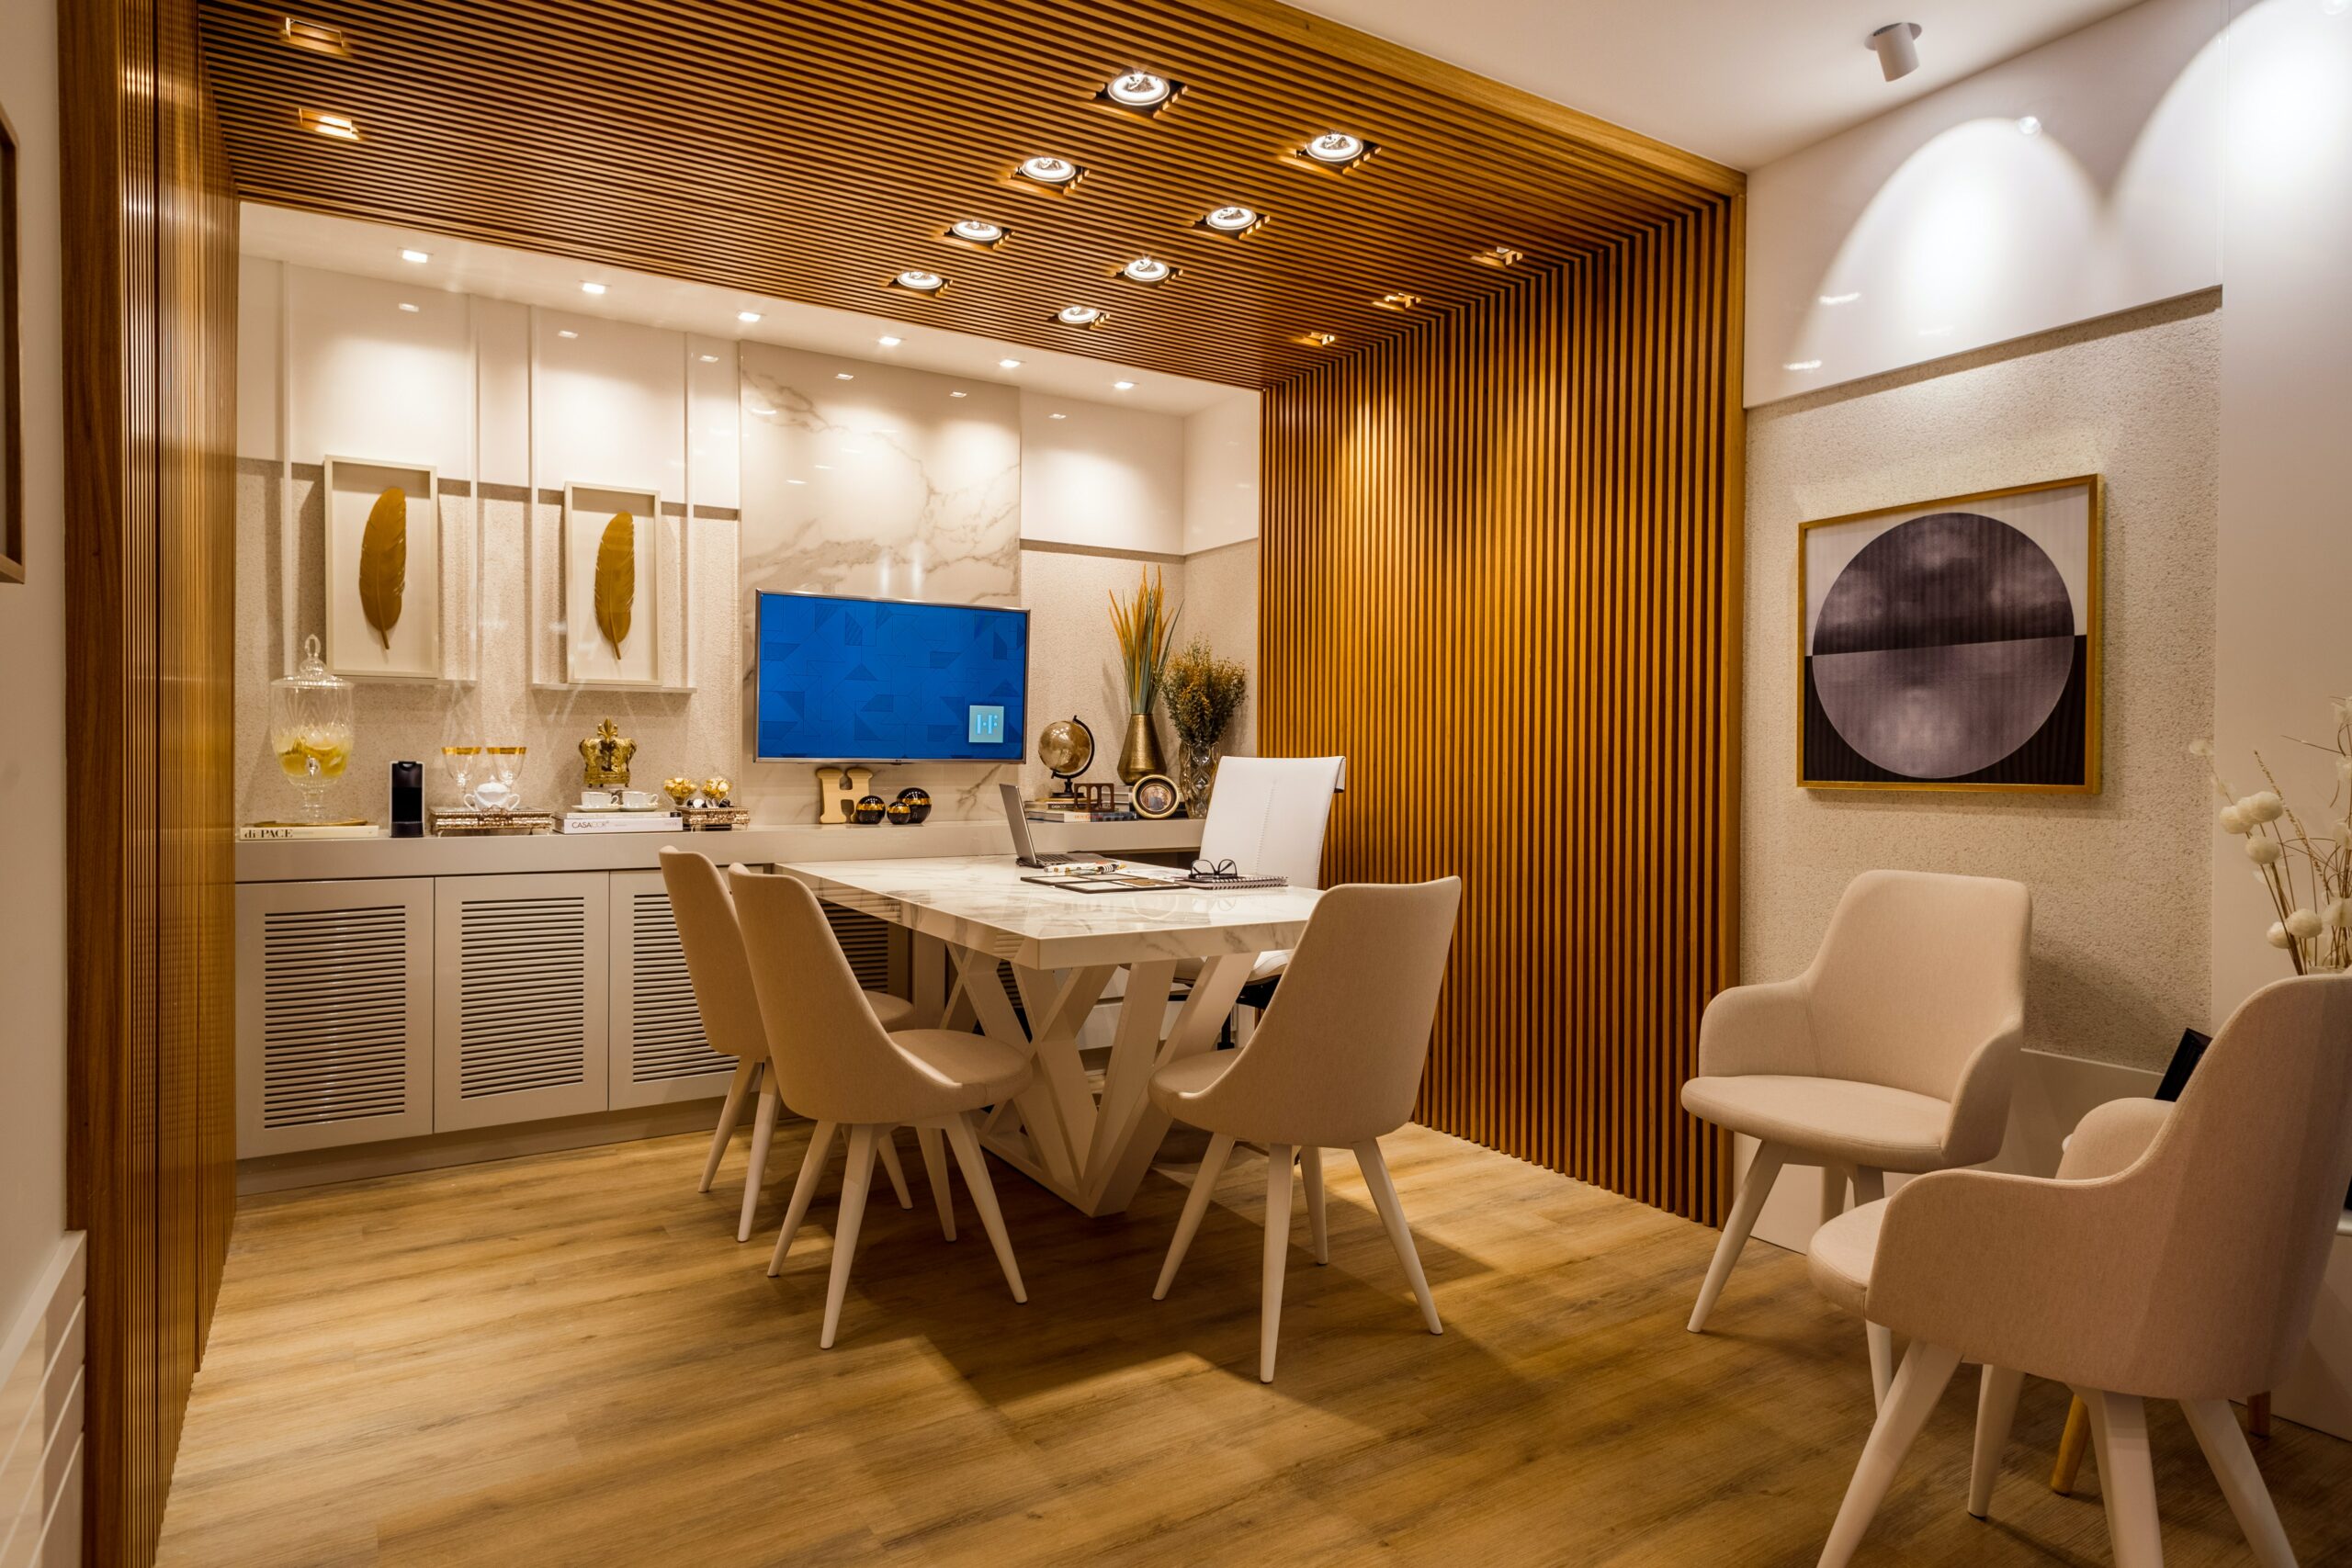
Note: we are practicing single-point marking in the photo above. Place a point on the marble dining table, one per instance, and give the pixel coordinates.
(1085, 1130)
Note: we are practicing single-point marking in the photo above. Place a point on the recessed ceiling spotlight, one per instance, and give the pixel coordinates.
(1801, 365)
(1233, 219)
(1335, 148)
(1147, 269)
(315, 37)
(1319, 340)
(1123, 386)
(2029, 126)
(1898, 48)
(1138, 90)
(709, 358)
(418, 257)
(1500, 255)
(591, 287)
(1008, 365)
(410, 309)
(1058, 416)
(976, 231)
(914, 280)
(960, 394)
(844, 376)
(340, 127)
(566, 332)
(1396, 302)
(886, 341)
(747, 317)
(1841, 299)
(1078, 316)
(1054, 174)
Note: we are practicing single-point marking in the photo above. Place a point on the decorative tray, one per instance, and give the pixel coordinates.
(485, 824)
(715, 819)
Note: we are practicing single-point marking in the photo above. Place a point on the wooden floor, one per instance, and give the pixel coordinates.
(567, 1360)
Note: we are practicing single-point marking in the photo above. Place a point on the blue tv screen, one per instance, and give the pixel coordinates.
(886, 680)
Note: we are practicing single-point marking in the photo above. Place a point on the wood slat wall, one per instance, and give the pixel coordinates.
(1500, 572)
(151, 336)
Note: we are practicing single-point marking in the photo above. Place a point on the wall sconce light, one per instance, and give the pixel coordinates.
(1898, 48)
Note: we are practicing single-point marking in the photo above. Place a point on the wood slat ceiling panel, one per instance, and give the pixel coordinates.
(812, 152)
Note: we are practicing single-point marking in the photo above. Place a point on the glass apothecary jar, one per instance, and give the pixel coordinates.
(310, 729)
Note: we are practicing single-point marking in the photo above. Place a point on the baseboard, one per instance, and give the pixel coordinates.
(41, 1418)
(395, 1156)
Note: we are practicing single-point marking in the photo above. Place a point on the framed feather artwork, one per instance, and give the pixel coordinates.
(612, 585)
(383, 568)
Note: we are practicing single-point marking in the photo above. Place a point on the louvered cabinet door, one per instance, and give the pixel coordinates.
(659, 1052)
(334, 1014)
(519, 998)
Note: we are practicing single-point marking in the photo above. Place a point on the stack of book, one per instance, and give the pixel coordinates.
(1062, 808)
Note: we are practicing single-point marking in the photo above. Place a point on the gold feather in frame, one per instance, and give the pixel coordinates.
(616, 579)
(383, 563)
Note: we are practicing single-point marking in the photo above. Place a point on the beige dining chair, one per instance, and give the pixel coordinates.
(1335, 1064)
(835, 1063)
(2177, 1255)
(1895, 1051)
(731, 1022)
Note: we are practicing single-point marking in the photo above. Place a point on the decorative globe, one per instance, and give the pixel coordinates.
(869, 809)
(1067, 747)
(901, 815)
(918, 804)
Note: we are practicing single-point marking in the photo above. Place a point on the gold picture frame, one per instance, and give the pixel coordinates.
(1821, 762)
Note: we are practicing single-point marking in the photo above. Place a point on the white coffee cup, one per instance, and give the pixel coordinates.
(595, 799)
(638, 799)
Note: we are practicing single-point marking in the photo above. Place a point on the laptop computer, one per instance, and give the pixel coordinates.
(1024, 851)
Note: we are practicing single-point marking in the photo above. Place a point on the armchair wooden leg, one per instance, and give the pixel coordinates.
(1196, 1205)
(755, 1173)
(2216, 1426)
(932, 1142)
(1925, 1370)
(856, 1179)
(2127, 1478)
(2071, 1444)
(1279, 1158)
(813, 1170)
(739, 1090)
(1997, 1412)
(886, 1144)
(1400, 1235)
(1744, 1209)
(1310, 1165)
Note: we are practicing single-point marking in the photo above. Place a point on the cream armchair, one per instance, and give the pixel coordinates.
(1895, 1051)
(2177, 1255)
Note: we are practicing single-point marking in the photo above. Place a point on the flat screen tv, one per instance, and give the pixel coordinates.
(888, 681)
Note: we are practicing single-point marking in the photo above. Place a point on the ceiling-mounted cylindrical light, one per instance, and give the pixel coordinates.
(1078, 315)
(1138, 90)
(1896, 45)
(1055, 172)
(917, 281)
(1337, 148)
(1233, 219)
(977, 230)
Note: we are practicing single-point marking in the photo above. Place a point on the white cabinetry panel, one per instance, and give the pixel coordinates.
(335, 997)
(519, 1003)
(659, 1051)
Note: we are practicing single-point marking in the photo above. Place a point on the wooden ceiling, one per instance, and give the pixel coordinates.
(813, 151)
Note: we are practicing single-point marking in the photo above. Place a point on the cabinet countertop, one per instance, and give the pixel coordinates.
(334, 860)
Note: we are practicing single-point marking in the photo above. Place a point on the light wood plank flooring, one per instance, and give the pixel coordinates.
(567, 1360)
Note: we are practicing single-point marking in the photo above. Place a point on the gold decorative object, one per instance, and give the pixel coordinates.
(383, 563)
(1067, 747)
(1156, 796)
(1140, 754)
(718, 790)
(715, 819)
(837, 792)
(1145, 627)
(617, 578)
(680, 790)
(604, 758)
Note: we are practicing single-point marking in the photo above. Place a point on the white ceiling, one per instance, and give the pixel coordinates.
(529, 278)
(1742, 81)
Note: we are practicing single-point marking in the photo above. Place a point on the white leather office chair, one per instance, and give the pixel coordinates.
(730, 1021)
(1267, 814)
(2177, 1255)
(1895, 1050)
(1336, 1064)
(834, 1062)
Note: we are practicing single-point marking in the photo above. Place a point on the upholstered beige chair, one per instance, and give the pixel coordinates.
(730, 1021)
(1336, 1064)
(834, 1063)
(1895, 1051)
(2177, 1255)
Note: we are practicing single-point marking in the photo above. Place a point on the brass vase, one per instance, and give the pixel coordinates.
(1140, 755)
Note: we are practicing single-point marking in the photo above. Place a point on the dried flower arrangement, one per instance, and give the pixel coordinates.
(2308, 876)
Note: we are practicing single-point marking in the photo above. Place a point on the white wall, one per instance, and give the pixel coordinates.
(1101, 476)
(1940, 227)
(32, 651)
(1221, 474)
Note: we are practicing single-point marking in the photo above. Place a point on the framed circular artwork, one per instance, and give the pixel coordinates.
(1156, 796)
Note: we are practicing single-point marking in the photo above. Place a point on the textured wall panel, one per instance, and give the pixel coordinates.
(1501, 572)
